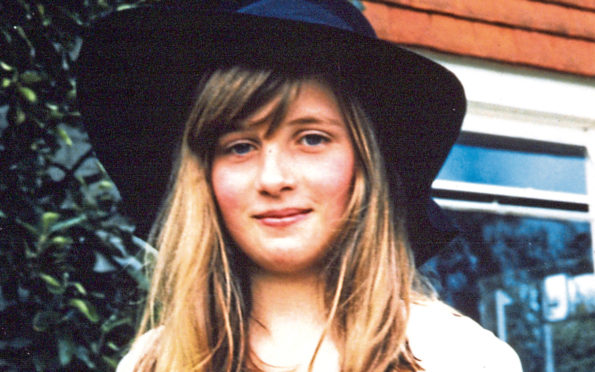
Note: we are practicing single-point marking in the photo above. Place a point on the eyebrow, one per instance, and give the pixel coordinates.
(315, 120)
(305, 120)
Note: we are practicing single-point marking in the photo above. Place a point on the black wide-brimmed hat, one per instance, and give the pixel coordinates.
(138, 69)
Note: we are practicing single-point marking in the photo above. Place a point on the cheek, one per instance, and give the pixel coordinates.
(335, 177)
(226, 188)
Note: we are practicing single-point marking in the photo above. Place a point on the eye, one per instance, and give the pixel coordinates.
(313, 139)
(241, 148)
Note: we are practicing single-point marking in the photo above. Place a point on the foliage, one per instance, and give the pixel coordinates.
(70, 277)
(574, 342)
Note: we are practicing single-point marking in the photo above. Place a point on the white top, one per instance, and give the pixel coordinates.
(442, 339)
(139, 348)
(446, 341)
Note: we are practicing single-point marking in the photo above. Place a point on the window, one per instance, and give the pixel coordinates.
(520, 184)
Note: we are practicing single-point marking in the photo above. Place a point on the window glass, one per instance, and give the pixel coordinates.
(514, 167)
(495, 272)
(491, 244)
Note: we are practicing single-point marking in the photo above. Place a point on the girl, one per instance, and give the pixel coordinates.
(299, 188)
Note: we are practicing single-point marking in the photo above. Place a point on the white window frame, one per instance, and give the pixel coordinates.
(522, 103)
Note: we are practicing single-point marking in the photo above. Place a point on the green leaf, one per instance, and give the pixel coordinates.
(66, 224)
(53, 285)
(86, 308)
(48, 219)
(135, 269)
(6, 67)
(112, 323)
(5, 83)
(122, 7)
(41, 9)
(32, 229)
(113, 363)
(45, 20)
(42, 321)
(106, 185)
(29, 253)
(102, 264)
(30, 77)
(66, 349)
(79, 288)
(101, 168)
(54, 112)
(149, 251)
(19, 116)
(95, 346)
(71, 95)
(98, 295)
(64, 136)
(50, 280)
(21, 32)
(83, 354)
(102, 4)
(51, 106)
(56, 290)
(28, 94)
(61, 240)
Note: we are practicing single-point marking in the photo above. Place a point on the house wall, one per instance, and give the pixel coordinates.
(553, 35)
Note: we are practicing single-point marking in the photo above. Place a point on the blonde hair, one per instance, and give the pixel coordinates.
(200, 296)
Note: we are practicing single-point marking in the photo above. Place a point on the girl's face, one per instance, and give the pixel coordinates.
(283, 195)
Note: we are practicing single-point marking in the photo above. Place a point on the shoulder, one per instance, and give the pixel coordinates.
(445, 340)
(139, 348)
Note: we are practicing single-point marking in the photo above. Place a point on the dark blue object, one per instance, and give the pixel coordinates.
(138, 68)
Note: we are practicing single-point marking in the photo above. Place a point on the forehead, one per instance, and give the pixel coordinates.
(312, 100)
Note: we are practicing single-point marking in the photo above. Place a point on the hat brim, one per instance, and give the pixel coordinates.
(137, 71)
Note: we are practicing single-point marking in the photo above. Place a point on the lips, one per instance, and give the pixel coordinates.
(282, 217)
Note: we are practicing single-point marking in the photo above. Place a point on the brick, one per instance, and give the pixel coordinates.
(530, 15)
(483, 40)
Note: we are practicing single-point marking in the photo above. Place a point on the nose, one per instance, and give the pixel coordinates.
(275, 175)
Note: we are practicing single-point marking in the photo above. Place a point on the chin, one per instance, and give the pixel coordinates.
(283, 265)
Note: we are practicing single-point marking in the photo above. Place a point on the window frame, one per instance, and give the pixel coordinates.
(515, 105)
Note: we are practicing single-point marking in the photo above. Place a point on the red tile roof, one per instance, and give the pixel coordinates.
(556, 35)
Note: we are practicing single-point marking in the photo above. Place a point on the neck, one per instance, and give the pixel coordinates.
(281, 299)
(287, 321)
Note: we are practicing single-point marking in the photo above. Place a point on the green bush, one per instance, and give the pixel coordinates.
(574, 344)
(70, 273)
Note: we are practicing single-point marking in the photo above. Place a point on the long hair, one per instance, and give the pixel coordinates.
(199, 300)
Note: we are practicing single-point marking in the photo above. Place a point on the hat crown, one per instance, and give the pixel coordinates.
(339, 14)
